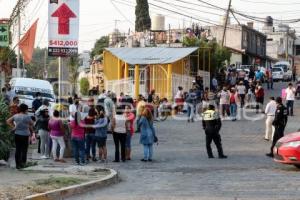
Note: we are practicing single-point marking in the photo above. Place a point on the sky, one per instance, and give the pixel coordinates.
(98, 17)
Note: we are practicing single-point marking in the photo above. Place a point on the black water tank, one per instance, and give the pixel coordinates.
(269, 21)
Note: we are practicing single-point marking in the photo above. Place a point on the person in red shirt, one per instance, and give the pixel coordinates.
(129, 116)
(259, 95)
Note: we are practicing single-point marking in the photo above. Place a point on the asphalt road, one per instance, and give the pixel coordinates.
(181, 169)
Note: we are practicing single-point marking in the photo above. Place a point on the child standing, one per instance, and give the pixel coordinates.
(129, 116)
(90, 142)
(233, 104)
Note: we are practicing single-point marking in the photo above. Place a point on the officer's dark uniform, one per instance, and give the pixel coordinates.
(280, 121)
(212, 125)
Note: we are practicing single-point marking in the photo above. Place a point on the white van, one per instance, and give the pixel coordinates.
(287, 70)
(26, 89)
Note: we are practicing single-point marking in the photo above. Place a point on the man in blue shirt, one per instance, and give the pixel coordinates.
(259, 76)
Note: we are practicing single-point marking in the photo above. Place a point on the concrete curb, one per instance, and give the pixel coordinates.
(62, 193)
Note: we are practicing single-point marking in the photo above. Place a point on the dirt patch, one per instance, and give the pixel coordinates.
(39, 186)
(41, 183)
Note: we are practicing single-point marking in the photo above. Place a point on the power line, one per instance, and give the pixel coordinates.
(120, 12)
(168, 3)
(209, 22)
(258, 19)
(194, 4)
(269, 2)
(43, 33)
(151, 10)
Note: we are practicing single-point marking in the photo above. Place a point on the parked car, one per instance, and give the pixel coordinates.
(277, 73)
(286, 66)
(287, 150)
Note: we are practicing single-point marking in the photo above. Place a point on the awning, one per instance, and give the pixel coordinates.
(151, 55)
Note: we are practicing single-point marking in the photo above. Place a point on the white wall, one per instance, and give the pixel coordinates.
(236, 59)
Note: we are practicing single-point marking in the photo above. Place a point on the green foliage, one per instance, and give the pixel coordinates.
(6, 54)
(73, 64)
(191, 41)
(100, 45)
(6, 138)
(142, 17)
(37, 66)
(218, 53)
(84, 86)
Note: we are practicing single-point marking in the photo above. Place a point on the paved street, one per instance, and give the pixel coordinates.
(182, 171)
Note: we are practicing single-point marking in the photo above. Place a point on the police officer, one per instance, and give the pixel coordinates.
(280, 121)
(212, 125)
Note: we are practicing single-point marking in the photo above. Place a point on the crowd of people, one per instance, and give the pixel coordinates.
(88, 123)
(86, 128)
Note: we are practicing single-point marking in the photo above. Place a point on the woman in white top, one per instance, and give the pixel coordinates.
(119, 135)
(241, 91)
(179, 99)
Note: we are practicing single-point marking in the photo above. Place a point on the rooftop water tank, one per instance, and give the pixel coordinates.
(158, 22)
(269, 21)
(223, 20)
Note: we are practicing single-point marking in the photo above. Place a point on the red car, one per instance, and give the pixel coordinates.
(287, 150)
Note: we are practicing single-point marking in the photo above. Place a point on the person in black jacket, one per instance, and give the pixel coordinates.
(212, 124)
(37, 102)
(280, 121)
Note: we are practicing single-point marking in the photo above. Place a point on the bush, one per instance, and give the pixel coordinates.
(84, 86)
(6, 138)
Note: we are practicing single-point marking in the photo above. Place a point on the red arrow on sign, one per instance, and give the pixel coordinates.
(64, 13)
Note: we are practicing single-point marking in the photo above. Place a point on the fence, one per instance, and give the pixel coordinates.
(117, 86)
(181, 80)
(206, 78)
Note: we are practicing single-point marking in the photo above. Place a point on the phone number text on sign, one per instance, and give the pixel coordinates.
(63, 52)
(61, 43)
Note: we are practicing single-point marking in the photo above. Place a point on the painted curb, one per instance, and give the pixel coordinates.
(62, 193)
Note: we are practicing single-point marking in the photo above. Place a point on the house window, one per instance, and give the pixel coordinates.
(245, 39)
(297, 50)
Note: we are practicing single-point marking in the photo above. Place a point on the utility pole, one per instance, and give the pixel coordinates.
(226, 21)
(15, 19)
(287, 44)
(45, 65)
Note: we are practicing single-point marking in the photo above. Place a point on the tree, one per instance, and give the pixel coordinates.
(142, 17)
(218, 53)
(37, 66)
(6, 138)
(8, 58)
(84, 86)
(100, 45)
(73, 64)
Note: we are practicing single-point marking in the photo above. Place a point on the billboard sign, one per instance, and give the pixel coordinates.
(63, 33)
(4, 35)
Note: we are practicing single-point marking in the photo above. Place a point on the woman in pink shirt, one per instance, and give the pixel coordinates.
(57, 133)
(77, 138)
